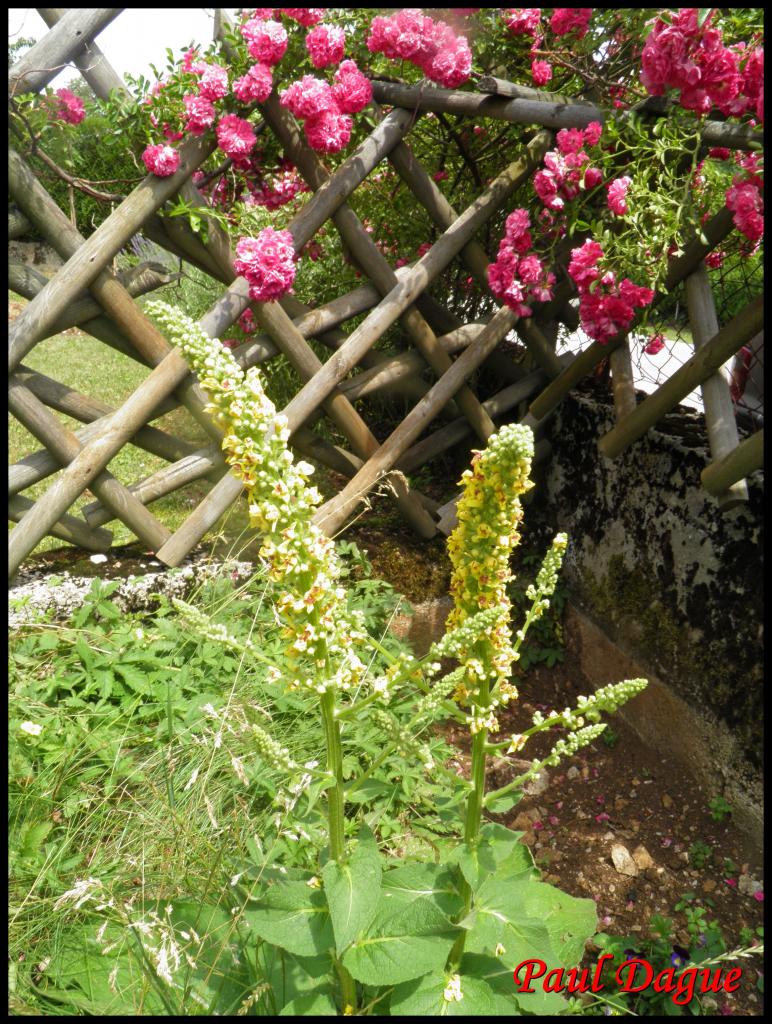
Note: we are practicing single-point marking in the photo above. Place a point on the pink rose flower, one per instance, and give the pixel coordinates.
(541, 72)
(655, 345)
(592, 177)
(308, 97)
(266, 40)
(328, 131)
(326, 45)
(70, 108)
(592, 133)
(200, 114)
(268, 264)
(214, 83)
(161, 160)
(523, 21)
(352, 90)
(255, 86)
(617, 191)
(304, 15)
(571, 19)
(235, 136)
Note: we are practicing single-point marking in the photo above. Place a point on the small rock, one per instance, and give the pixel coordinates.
(636, 928)
(525, 819)
(642, 858)
(98, 559)
(529, 838)
(709, 885)
(622, 861)
(636, 782)
(620, 803)
(633, 794)
(667, 801)
(585, 772)
(748, 885)
(573, 772)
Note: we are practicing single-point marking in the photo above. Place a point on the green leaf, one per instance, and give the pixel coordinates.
(319, 1003)
(353, 890)
(476, 862)
(403, 942)
(570, 921)
(425, 997)
(498, 976)
(499, 920)
(702, 14)
(423, 881)
(294, 916)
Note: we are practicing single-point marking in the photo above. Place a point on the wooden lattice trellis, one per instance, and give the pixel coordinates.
(107, 310)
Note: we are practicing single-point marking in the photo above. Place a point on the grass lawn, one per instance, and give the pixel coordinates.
(92, 368)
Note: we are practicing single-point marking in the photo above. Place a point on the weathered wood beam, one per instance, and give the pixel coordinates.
(404, 294)
(92, 63)
(68, 528)
(719, 477)
(549, 113)
(622, 381)
(473, 255)
(43, 61)
(369, 258)
(713, 354)
(65, 447)
(18, 224)
(334, 513)
(713, 233)
(720, 419)
(87, 262)
(88, 410)
(109, 292)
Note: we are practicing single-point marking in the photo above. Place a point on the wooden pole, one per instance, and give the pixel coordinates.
(95, 455)
(68, 528)
(536, 111)
(92, 63)
(110, 293)
(370, 260)
(622, 381)
(18, 225)
(89, 410)
(332, 515)
(63, 444)
(474, 256)
(452, 433)
(43, 61)
(713, 232)
(400, 297)
(716, 398)
(694, 371)
(719, 477)
(80, 270)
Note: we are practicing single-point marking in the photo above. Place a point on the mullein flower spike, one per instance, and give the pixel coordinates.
(321, 632)
(480, 547)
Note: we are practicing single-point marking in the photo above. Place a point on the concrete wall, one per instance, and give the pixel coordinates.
(674, 583)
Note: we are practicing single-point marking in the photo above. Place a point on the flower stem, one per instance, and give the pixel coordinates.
(336, 820)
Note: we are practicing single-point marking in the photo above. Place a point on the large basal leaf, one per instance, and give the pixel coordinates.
(402, 942)
(569, 919)
(498, 977)
(425, 997)
(428, 881)
(312, 1004)
(294, 916)
(353, 890)
(499, 919)
(292, 976)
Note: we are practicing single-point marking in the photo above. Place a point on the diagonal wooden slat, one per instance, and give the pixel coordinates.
(68, 528)
(43, 61)
(716, 398)
(705, 362)
(43, 425)
(371, 261)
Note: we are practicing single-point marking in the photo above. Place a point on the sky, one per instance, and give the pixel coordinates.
(137, 37)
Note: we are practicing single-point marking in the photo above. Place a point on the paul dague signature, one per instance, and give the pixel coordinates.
(681, 984)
